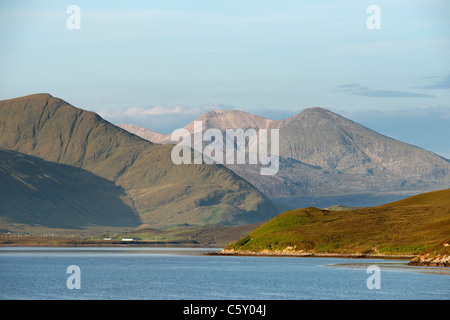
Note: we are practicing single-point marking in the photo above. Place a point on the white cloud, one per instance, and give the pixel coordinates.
(160, 110)
(156, 111)
(160, 118)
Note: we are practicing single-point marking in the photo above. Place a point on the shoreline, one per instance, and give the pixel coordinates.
(413, 260)
(105, 245)
(220, 252)
(110, 246)
(312, 255)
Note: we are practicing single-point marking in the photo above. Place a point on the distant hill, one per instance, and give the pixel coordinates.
(146, 134)
(228, 119)
(408, 226)
(217, 119)
(323, 154)
(324, 139)
(161, 193)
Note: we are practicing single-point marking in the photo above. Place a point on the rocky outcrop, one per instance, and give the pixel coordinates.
(288, 252)
(438, 256)
(439, 261)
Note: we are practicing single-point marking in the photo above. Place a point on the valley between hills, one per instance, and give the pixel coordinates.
(70, 178)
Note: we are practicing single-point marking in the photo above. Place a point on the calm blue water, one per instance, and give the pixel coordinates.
(159, 274)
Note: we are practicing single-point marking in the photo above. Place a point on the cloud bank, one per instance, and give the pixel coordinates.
(438, 83)
(358, 90)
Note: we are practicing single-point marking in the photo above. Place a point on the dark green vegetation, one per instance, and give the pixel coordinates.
(112, 176)
(408, 226)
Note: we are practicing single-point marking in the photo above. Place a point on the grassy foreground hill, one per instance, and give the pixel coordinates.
(405, 227)
(161, 193)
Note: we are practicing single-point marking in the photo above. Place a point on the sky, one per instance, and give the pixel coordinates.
(161, 64)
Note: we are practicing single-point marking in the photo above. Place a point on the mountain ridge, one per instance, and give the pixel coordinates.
(325, 154)
(163, 193)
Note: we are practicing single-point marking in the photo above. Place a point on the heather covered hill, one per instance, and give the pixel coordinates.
(162, 193)
(408, 226)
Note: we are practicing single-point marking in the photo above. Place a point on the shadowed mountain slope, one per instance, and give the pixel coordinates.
(38, 192)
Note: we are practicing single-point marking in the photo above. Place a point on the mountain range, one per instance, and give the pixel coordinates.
(62, 166)
(326, 158)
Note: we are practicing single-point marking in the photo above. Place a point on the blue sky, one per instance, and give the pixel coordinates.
(161, 63)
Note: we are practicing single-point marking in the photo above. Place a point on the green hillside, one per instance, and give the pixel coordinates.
(407, 226)
(163, 194)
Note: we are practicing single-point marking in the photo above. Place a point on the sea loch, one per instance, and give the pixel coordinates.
(189, 274)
